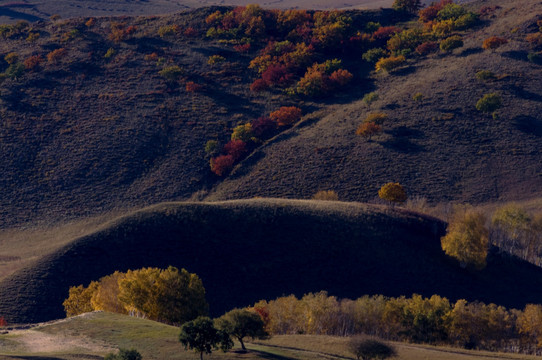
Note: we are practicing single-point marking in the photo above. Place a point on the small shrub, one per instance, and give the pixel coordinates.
(286, 115)
(190, 32)
(215, 59)
(410, 6)
(451, 12)
(242, 132)
(33, 62)
(277, 74)
(124, 354)
(193, 87)
(55, 56)
(259, 85)
(535, 58)
(466, 21)
(242, 48)
(211, 148)
(222, 164)
(15, 70)
(3, 321)
(451, 43)
(374, 55)
(110, 53)
(236, 149)
(493, 42)
(368, 130)
(377, 118)
(383, 34)
(90, 22)
(426, 48)
(368, 349)
(489, 103)
(32, 36)
(11, 58)
(327, 195)
(340, 78)
(535, 39)
(389, 64)
(171, 73)
(417, 97)
(371, 97)
(485, 75)
(120, 32)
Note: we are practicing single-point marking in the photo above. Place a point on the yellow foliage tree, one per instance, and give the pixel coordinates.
(393, 192)
(467, 239)
(78, 301)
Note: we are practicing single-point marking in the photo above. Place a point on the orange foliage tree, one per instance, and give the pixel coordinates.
(286, 115)
(494, 42)
(222, 164)
(393, 192)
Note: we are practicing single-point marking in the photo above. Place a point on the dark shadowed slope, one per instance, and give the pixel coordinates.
(253, 249)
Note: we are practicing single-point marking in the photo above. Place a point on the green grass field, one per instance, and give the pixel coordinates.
(93, 335)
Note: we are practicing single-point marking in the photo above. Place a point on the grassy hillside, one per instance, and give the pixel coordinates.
(440, 148)
(100, 129)
(255, 249)
(92, 335)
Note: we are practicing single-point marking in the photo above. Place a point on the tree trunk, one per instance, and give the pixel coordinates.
(242, 344)
(201, 355)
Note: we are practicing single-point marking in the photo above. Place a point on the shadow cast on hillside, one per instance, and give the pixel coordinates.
(516, 55)
(524, 94)
(17, 15)
(470, 51)
(528, 125)
(402, 145)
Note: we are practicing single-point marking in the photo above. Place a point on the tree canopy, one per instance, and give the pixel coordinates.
(241, 323)
(201, 336)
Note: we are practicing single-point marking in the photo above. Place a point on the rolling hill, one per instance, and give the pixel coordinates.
(248, 250)
(100, 129)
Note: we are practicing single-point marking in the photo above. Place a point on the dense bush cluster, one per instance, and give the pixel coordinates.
(169, 295)
(431, 320)
(244, 138)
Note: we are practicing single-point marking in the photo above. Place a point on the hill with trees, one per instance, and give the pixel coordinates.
(115, 113)
(248, 250)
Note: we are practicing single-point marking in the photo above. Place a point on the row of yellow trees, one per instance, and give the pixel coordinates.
(425, 320)
(168, 295)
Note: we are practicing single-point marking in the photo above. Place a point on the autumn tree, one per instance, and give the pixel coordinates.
(530, 326)
(489, 103)
(241, 323)
(78, 301)
(222, 164)
(327, 195)
(393, 192)
(467, 239)
(368, 130)
(369, 349)
(171, 295)
(286, 115)
(493, 42)
(201, 336)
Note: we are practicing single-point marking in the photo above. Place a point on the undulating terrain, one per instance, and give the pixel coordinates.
(107, 117)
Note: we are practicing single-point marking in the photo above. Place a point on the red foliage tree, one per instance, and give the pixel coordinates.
(259, 85)
(3, 321)
(383, 34)
(190, 32)
(286, 115)
(430, 13)
(236, 149)
(277, 74)
(222, 164)
(427, 47)
(242, 48)
(340, 77)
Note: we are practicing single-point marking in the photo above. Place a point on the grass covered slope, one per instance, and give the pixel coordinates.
(260, 249)
(92, 335)
(440, 148)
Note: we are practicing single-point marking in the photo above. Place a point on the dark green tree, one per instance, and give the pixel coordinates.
(368, 349)
(241, 323)
(124, 354)
(201, 336)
